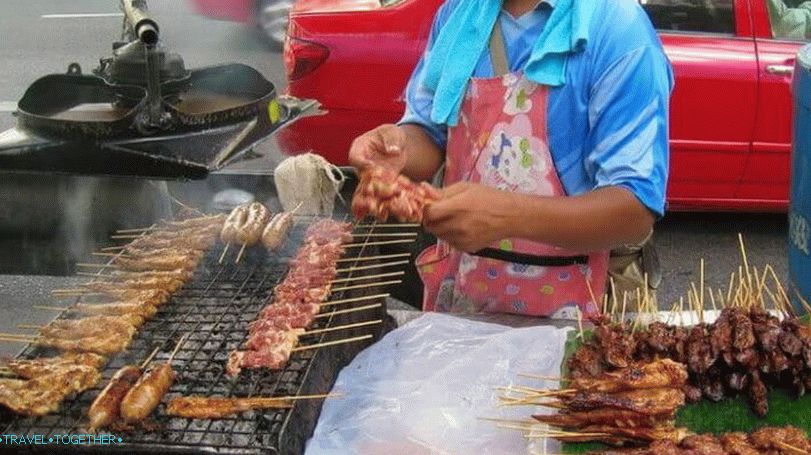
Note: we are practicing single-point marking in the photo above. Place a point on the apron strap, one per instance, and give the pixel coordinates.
(498, 51)
(531, 259)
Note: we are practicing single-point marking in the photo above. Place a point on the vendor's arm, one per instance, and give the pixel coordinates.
(627, 162)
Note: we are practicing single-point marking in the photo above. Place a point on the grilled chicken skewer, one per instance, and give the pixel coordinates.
(44, 394)
(32, 368)
(106, 408)
(218, 408)
(142, 399)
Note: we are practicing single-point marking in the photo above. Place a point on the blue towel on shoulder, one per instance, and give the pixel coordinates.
(461, 41)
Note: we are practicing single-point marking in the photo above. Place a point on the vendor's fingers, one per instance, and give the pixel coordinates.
(437, 212)
(392, 139)
(430, 191)
(453, 190)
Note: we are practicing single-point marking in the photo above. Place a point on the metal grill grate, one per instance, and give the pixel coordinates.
(215, 309)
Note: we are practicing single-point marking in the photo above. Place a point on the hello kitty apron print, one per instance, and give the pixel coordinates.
(501, 141)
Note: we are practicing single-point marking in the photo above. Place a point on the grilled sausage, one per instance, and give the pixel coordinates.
(147, 393)
(235, 221)
(106, 408)
(276, 230)
(251, 232)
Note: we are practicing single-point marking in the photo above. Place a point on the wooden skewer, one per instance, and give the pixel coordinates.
(94, 275)
(792, 449)
(373, 266)
(224, 251)
(332, 343)
(367, 277)
(30, 327)
(385, 234)
(95, 266)
(180, 343)
(50, 308)
(69, 291)
(17, 335)
(355, 299)
(580, 323)
(410, 225)
(16, 340)
(149, 359)
(382, 242)
(113, 248)
(241, 252)
(375, 258)
(542, 377)
(343, 327)
(349, 310)
(110, 254)
(367, 285)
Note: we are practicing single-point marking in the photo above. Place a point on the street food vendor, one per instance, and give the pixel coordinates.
(549, 122)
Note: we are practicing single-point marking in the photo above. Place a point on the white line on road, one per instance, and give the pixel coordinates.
(80, 15)
(8, 106)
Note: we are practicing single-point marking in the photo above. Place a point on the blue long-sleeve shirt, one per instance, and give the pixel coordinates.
(608, 124)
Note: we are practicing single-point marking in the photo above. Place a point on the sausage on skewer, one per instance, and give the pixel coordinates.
(276, 230)
(147, 393)
(106, 408)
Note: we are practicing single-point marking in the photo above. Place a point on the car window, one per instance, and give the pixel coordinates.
(703, 16)
(791, 19)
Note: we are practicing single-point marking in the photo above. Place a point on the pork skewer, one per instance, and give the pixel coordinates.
(221, 407)
(106, 408)
(142, 399)
(233, 223)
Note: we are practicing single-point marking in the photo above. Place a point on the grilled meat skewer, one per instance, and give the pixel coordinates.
(218, 408)
(31, 368)
(106, 408)
(44, 394)
(145, 396)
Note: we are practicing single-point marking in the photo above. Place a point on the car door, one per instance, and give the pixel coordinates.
(778, 38)
(712, 50)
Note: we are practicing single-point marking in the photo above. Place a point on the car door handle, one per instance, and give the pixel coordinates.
(780, 70)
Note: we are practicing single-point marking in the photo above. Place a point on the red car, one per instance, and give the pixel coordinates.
(730, 112)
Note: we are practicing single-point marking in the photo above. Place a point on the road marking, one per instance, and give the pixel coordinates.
(80, 15)
(8, 106)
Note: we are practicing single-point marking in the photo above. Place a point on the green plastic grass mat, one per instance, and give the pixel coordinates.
(729, 415)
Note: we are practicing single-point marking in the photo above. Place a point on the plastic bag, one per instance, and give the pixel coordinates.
(424, 388)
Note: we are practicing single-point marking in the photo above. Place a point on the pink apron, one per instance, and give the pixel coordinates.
(501, 141)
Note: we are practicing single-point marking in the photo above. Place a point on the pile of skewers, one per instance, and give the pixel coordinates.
(637, 404)
(147, 271)
(297, 301)
(747, 349)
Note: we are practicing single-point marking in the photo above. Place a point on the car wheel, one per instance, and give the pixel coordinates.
(273, 19)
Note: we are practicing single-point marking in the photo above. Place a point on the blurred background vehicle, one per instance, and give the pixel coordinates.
(270, 16)
(730, 110)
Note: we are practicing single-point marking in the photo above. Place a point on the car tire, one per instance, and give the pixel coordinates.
(272, 19)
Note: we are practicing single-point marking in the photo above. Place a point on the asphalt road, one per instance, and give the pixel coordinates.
(32, 46)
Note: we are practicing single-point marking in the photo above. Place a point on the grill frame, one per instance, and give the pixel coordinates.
(216, 291)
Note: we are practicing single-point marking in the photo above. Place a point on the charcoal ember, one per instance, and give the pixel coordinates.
(738, 381)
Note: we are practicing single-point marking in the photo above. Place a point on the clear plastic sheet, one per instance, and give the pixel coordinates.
(424, 388)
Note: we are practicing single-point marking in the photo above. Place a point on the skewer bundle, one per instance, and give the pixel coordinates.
(296, 301)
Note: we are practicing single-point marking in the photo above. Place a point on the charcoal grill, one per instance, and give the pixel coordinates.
(215, 309)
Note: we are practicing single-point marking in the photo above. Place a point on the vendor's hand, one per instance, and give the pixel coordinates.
(469, 216)
(383, 146)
